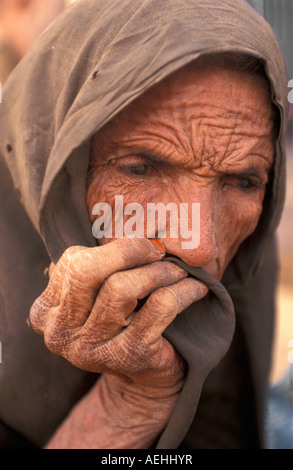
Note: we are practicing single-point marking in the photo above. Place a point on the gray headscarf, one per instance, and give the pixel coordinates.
(96, 58)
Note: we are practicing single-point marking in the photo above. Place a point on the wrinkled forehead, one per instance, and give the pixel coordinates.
(222, 86)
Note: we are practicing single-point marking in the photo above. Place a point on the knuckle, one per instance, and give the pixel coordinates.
(52, 343)
(139, 248)
(118, 286)
(114, 281)
(56, 337)
(70, 258)
(83, 266)
(38, 313)
(165, 299)
(70, 252)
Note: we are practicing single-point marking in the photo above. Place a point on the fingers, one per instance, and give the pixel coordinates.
(163, 306)
(118, 296)
(90, 268)
(50, 298)
(79, 274)
(87, 311)
(139, 350)
(94, 265)
(159, 363)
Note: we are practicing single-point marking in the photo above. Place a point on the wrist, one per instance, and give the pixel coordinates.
(141, 412)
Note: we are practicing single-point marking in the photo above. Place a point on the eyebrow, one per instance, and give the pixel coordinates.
(155, 156)
(261, 173)
(152, 155)
(249, 171)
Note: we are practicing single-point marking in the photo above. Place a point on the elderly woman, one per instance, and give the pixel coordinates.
(148, 341)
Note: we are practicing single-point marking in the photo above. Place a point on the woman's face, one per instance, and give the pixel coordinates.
(203, 135)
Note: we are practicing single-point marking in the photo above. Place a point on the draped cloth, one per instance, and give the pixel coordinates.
(97, 57)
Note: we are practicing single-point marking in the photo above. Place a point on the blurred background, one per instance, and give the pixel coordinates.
(279, 13)
(279, 416)
(21, 22)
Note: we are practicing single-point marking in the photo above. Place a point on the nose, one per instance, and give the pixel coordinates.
(201, 214)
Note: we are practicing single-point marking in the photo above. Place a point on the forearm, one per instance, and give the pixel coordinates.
(116, 414)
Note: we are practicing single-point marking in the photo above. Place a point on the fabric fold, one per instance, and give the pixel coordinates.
(202, 334)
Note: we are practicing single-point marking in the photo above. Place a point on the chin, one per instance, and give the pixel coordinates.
(215, 269)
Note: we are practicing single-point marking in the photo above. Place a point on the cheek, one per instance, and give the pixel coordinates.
(237, 222)
(235, 217)
(106, 185)
(94, 193)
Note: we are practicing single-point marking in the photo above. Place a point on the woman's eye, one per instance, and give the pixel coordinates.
(245, 183)
(140, 169)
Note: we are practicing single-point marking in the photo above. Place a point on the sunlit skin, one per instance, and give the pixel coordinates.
(204, 135)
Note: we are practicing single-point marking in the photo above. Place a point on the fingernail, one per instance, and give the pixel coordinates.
(159, 246)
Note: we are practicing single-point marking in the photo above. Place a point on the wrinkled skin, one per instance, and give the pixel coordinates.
(204, 135)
